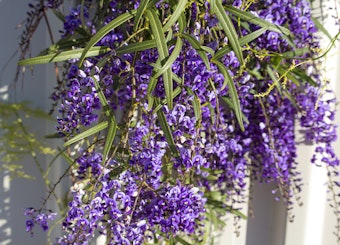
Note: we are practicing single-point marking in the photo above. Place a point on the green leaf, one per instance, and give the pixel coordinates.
(231, 105)
(169, 37)
(59, 15)
(91, 131)
(182, 23)
(197, 107)
(232, 92)
(174, 55)
(177, 91)
(104, 31)
(151, 86)
(63, 56)
(257, 21)
(166, 130)
(295, 53)
(163, 53)
(182, 241)
(237, 213)
(213, 218)
(301, 75)
(67, 158)
(274, 79)
(135, 47)
(322, 28)
(111, 134)
(176, 14)
(243, 41)
(208, 50)
(140, 11)
(229, 29)
(112, 120)
(197, 46)
(64, 45)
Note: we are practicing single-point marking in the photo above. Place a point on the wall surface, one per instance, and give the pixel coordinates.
(18, 194)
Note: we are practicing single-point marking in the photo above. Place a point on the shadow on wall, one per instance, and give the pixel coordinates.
(15, 195)
(19, 194)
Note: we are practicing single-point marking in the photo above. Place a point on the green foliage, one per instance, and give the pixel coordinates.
(17, 141)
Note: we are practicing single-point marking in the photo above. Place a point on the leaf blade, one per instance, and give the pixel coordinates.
(166, 130)
(233, 93)
(163, 53)
(172, 58)
(197, 46)
(136, 47)
(243, 41)
(91, 131)
(104, 31)
(64, 56)
(140, 11)
(176, 14)
(258, 21)
(112, 120)
(229, 29)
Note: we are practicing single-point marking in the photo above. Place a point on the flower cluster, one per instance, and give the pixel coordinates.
(39, 218)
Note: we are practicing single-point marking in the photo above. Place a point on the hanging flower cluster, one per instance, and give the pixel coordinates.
(173, 105)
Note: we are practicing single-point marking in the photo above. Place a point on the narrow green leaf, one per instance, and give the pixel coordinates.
(177, 91)
(174, 76)
(197, 46)
(166, 130)
(295, 53)
(197, 107)
(322, 28)
(112, 120)
(158, 34)
(140, 11)
(59, 15)
(67, 158)
(274, 78)
(111, 134)
(229, 29)
(135, 47)
(182, 23)
(208, 50)
(118, 170)
(197, 110)
(163, 53)
(151, 87)
(212, 7)
(169, 37)
(103, 101)
(213, 218)
(243, 41)
(237, 213)
(152, 84)
(232, 92)
(182, 241)
(174, 55)
(63, 56)
(231, 105)
(175, 15)
(91, 131)
(301, 75)
(104, 31)
(257, 21)
(63, 45)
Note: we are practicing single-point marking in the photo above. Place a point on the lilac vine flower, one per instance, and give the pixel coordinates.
(157, 178)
